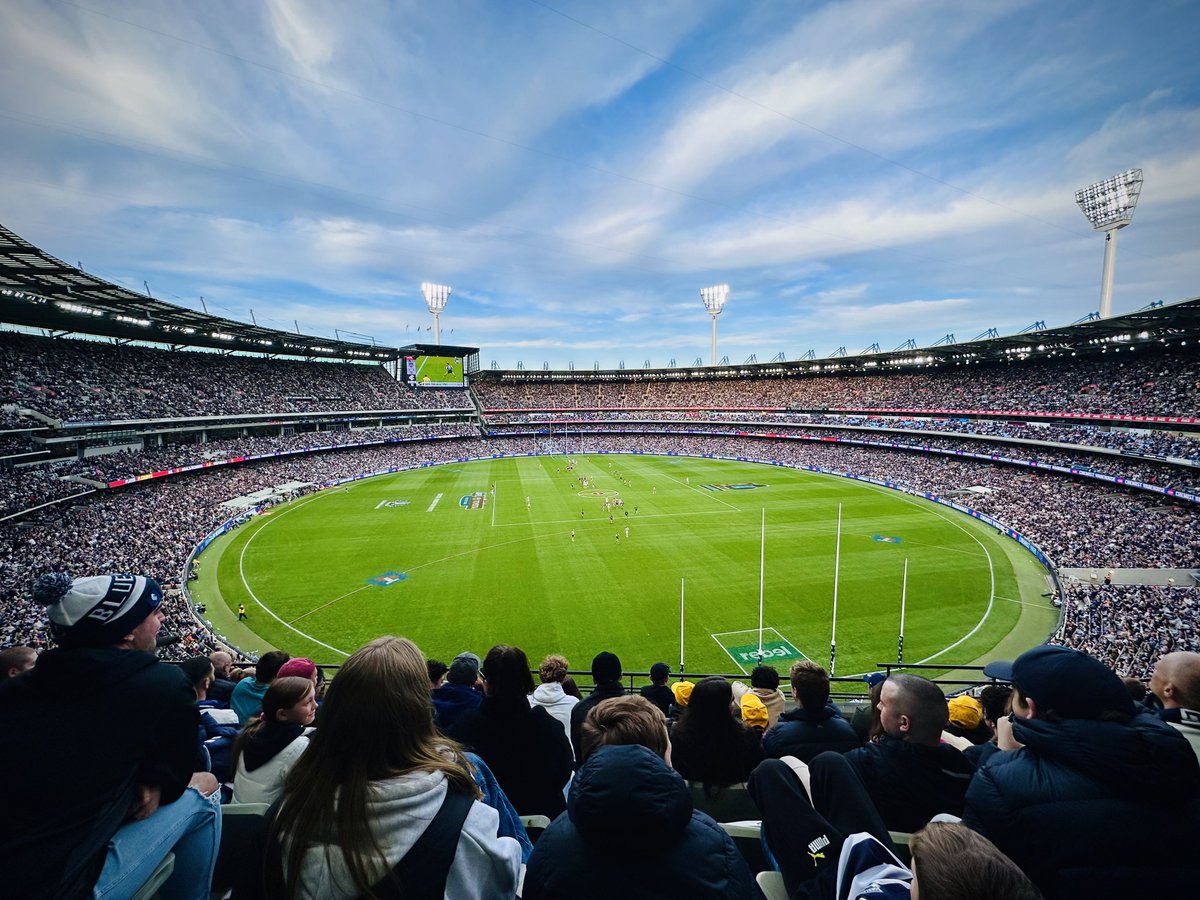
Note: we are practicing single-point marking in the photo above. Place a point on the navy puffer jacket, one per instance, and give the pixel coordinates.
(1095, 809)
(630, 831)
(806, 733)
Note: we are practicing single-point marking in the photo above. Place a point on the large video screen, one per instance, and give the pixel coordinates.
(434, 371)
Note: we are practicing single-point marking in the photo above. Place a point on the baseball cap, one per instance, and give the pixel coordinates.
(1066, 681)
(754, 711)
(464, 669)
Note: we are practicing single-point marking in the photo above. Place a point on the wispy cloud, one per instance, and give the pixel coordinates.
(857, 171)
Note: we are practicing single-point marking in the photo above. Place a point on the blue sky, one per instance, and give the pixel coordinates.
(858, 172)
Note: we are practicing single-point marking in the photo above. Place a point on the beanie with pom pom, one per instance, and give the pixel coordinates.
(97, 611)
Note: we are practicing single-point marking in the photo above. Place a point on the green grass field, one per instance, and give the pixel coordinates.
(430, 554)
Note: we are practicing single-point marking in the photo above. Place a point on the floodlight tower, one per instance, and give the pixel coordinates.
(1109, 206)
(436, 297)
(714, 301)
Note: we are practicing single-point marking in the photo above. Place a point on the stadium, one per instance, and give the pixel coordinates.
(298, 610)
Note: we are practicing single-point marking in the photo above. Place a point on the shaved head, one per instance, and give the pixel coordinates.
(1176, 680)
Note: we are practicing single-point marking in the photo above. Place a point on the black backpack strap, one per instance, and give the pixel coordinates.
(422, 873)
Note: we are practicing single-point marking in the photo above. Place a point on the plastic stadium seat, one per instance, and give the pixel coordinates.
(771, 885)
(535, 825)
(238, 858)
(747, 837)
(157, 878)
(730, 804)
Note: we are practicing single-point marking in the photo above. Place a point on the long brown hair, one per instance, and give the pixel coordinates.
(284, 693)
(376, 723)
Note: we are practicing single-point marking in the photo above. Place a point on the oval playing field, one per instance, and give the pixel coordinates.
(544, 564)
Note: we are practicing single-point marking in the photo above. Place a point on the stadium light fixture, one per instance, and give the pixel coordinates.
(714, 301)
(1109, 206)
(436, 297)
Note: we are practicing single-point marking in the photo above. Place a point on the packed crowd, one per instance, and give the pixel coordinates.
(405, 770)
(1159, 474)
(1154, 383)
(90, 381)
(1130, 626)
(153, 527)
(1137, 442)
(25, 488)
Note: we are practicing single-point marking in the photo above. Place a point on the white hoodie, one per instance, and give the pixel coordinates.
(551, 696)
(400, 809)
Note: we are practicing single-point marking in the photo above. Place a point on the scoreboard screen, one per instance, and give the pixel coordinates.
(433, 371)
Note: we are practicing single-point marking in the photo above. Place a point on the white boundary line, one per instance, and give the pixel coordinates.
(991, 569)
(254, 596)
(727, 653)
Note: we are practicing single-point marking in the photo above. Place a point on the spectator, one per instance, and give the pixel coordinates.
(1176, 684)
(461, 691)
(523, 745)
(910, 775)
(708, 744)
(1085, 774)
(606, 676)
(269, 746)
(222, 687)
(764, 682)
(298, 667)
(104, 783)
(994, 699)
(550, 694)
(815, 725)
(15, 660)
(247, 696)
(657, 691)
(437, 673)
(374, 781)
(624, 779)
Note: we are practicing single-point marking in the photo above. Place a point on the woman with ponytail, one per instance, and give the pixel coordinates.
(380, 805)
(271, 744)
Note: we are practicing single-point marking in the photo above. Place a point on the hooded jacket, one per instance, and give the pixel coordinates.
(555, 701)
(911, 783)
(623, 790)
(804, 734)
(78, 735)
(452, 700)
(1093, 808)
(266, 760)
(399, 810)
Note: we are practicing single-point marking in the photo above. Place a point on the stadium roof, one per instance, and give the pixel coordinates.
(39, 291)
(1160, 324)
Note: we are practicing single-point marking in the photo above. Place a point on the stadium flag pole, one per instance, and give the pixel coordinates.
(762, 561)
(903, 597)
(837, 562)
(680, 626)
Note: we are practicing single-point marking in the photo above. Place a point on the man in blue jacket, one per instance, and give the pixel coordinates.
(815, 725)
(625, 788)
(909, 773)
(1087, 783)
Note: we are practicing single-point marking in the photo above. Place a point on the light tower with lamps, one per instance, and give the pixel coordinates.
(714, 301)
(1109, 206)
(436, 297)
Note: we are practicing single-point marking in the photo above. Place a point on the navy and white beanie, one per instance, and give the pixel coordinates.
(97, 611)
